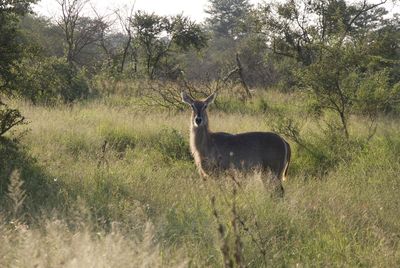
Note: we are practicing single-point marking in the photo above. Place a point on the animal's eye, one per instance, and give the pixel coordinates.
(205, 106)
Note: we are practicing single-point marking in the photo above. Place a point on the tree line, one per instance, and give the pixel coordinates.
(344, 55)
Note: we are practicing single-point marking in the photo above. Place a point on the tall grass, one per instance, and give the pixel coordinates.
(114, 185)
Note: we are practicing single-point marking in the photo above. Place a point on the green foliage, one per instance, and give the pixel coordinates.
(342, 72)
(229, 18)
(376, 94)
(173, 144)
(168, 141)
(295, 27)
(235, 29)
(9, 118)
(41, 34)
(11, 49)
(185, 33)
(48, 80)
(233, 105)
(339, 82)
(120, 139)
(158, 34)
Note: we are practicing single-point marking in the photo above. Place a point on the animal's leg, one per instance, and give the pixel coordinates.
(279, 190)
(272, 181)
(203, 174)
(283, 175)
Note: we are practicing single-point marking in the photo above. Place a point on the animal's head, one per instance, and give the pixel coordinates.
(199, 107)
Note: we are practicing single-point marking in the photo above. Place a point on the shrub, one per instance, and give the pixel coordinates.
(317, 152)
(9, 118)
(105, 84)
(119, 139)
(376, 94)
(339, 83)
(48, 80)
(172, 144)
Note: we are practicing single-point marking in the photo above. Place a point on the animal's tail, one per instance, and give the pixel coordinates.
(287, 158)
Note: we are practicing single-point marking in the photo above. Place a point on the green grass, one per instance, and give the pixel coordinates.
(140, 201)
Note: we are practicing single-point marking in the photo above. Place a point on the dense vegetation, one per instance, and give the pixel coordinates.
(95, 168)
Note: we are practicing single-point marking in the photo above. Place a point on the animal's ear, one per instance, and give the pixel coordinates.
(210, 99)
(186, 98)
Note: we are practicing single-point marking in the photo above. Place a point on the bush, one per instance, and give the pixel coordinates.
(339, 83)
(376, 94)
(9, 118)
(48, 80)
(172, 144)
(317, 152)
(121, 141)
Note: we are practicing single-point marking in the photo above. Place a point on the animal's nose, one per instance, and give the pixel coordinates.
(198, 120)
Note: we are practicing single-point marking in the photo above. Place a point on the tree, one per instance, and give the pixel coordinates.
(9, 118)
(79, 31)
(158, 35)
(296, 28)
(228, 18)
(11, 49)
(340, 57)
(48, 80)
(45, 37)
(233, 26)
(384, 47)
(125, 22)
(11, 52)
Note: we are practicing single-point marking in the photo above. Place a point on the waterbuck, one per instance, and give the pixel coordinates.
(217, 151)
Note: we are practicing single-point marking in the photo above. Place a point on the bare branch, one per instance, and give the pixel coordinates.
(240, 72)
(79, 31)
(365, 8)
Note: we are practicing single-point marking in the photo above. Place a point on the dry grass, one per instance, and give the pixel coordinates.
(145, 205)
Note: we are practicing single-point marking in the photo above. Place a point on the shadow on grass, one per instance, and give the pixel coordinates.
(42, 191)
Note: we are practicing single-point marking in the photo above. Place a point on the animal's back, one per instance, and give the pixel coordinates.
(251, 150)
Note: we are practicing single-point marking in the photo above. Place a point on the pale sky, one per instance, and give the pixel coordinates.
(190, 8)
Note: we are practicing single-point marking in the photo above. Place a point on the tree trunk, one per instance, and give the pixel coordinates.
(240, 72)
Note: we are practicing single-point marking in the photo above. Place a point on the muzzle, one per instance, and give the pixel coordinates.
(198, 120)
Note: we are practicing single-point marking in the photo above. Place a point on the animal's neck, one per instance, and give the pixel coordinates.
(200, 139)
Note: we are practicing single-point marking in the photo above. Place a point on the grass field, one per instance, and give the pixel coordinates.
(107, 183)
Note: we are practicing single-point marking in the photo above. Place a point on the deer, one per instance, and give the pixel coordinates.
(215, 152)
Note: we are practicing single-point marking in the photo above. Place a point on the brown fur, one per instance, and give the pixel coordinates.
(215, 152)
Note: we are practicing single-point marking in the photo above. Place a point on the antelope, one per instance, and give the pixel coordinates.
(214, 152)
